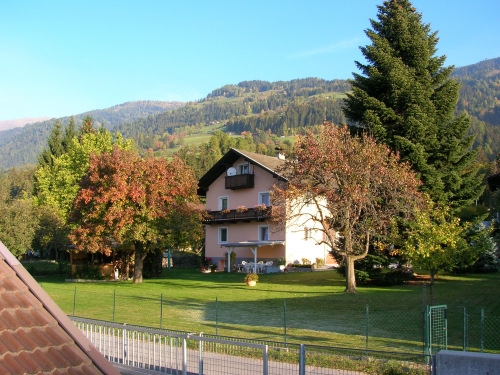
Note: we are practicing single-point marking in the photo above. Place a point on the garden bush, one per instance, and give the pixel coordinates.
(86, 272)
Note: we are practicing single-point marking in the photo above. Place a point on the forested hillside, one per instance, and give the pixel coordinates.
(282, 108)
(480, 97)
(248, 106)
(21, 146)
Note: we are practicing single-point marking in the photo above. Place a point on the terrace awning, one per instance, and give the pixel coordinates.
(253, 245)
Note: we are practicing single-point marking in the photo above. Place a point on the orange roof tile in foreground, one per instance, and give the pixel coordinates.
(36, 337)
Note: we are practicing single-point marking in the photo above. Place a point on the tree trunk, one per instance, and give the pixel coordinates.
(140, 254)
(350, 276)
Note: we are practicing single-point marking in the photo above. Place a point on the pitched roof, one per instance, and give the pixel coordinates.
(36, 337)
(268, 163)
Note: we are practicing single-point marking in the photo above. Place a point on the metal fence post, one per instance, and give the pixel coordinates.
(265, 369)
(217, 316)
(184, 356)
(302, 359)
(465, 331)
(161, 308)
(367, 326)
(114, 304)
(74, 301)
(200, 357)
(426, 334)
(284, 320)
(482, 330)
(124, 345)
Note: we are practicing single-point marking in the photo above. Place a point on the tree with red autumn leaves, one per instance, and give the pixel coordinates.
(349, 188)
(128, 200)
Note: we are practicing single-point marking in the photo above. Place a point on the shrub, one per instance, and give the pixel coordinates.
(87, 272)
(306, 261)
(46, 268)
(280, 261)
(185, 260)
(320, 262)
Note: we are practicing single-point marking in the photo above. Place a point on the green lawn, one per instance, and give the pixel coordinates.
(307, 307)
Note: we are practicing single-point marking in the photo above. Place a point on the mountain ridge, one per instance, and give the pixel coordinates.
(281, 107)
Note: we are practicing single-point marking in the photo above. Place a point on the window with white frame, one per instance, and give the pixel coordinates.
(265, 198)
(263, 233)
(243, 169)
(223, 235)
(223, 203)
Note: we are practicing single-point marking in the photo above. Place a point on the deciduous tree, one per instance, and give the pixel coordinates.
(346, 186)
(127, 200)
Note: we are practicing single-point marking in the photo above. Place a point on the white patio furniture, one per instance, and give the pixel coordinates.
(260, 266)
(241, 266)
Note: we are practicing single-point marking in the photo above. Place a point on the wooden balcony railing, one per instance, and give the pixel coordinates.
(234, 215)
(239, 181)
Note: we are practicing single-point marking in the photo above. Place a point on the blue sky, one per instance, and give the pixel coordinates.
(60, 58)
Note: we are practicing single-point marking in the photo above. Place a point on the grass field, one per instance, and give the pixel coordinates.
(297, 307)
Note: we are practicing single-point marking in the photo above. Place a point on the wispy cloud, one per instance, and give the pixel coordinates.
(345, 44)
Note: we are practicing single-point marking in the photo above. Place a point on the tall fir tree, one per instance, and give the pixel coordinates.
(405, 98)
(54, 146)
(69, 133)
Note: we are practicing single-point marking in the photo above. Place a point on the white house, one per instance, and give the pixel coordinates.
(239, 210)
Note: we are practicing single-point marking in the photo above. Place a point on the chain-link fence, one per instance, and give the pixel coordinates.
(287, 321)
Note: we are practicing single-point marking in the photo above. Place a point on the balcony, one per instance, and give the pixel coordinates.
(239, 181)
(234, 216)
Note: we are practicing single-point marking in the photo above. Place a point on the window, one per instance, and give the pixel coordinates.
(223, 203)
(243, 169)
(263, 233)
(223, 235)
(265, 198)
(307, 233)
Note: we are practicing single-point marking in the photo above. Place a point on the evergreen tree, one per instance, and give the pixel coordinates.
(69, 134)
(405, 98)
(54, 146)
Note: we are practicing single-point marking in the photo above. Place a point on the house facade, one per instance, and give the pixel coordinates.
(237, 191)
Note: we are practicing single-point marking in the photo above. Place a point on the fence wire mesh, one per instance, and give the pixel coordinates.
(287, 321)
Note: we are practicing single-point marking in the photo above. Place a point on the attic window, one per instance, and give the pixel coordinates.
(243, 169)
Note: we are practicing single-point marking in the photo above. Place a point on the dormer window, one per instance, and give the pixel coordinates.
(243, 169)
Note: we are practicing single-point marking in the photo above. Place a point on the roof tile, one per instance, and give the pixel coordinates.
(57, 358)
(14, 284)
(7, 321)
(10, 342)
(36, 337)
(73, 354)
(11, 365)
(56, 336)
(24, 317)
(25, 340)
(29, 363)
(42, 317)
(6, 270)
(40, 357)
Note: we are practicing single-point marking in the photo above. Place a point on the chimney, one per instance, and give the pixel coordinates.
(279, 153)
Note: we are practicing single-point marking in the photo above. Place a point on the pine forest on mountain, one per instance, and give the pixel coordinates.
(279, 109)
